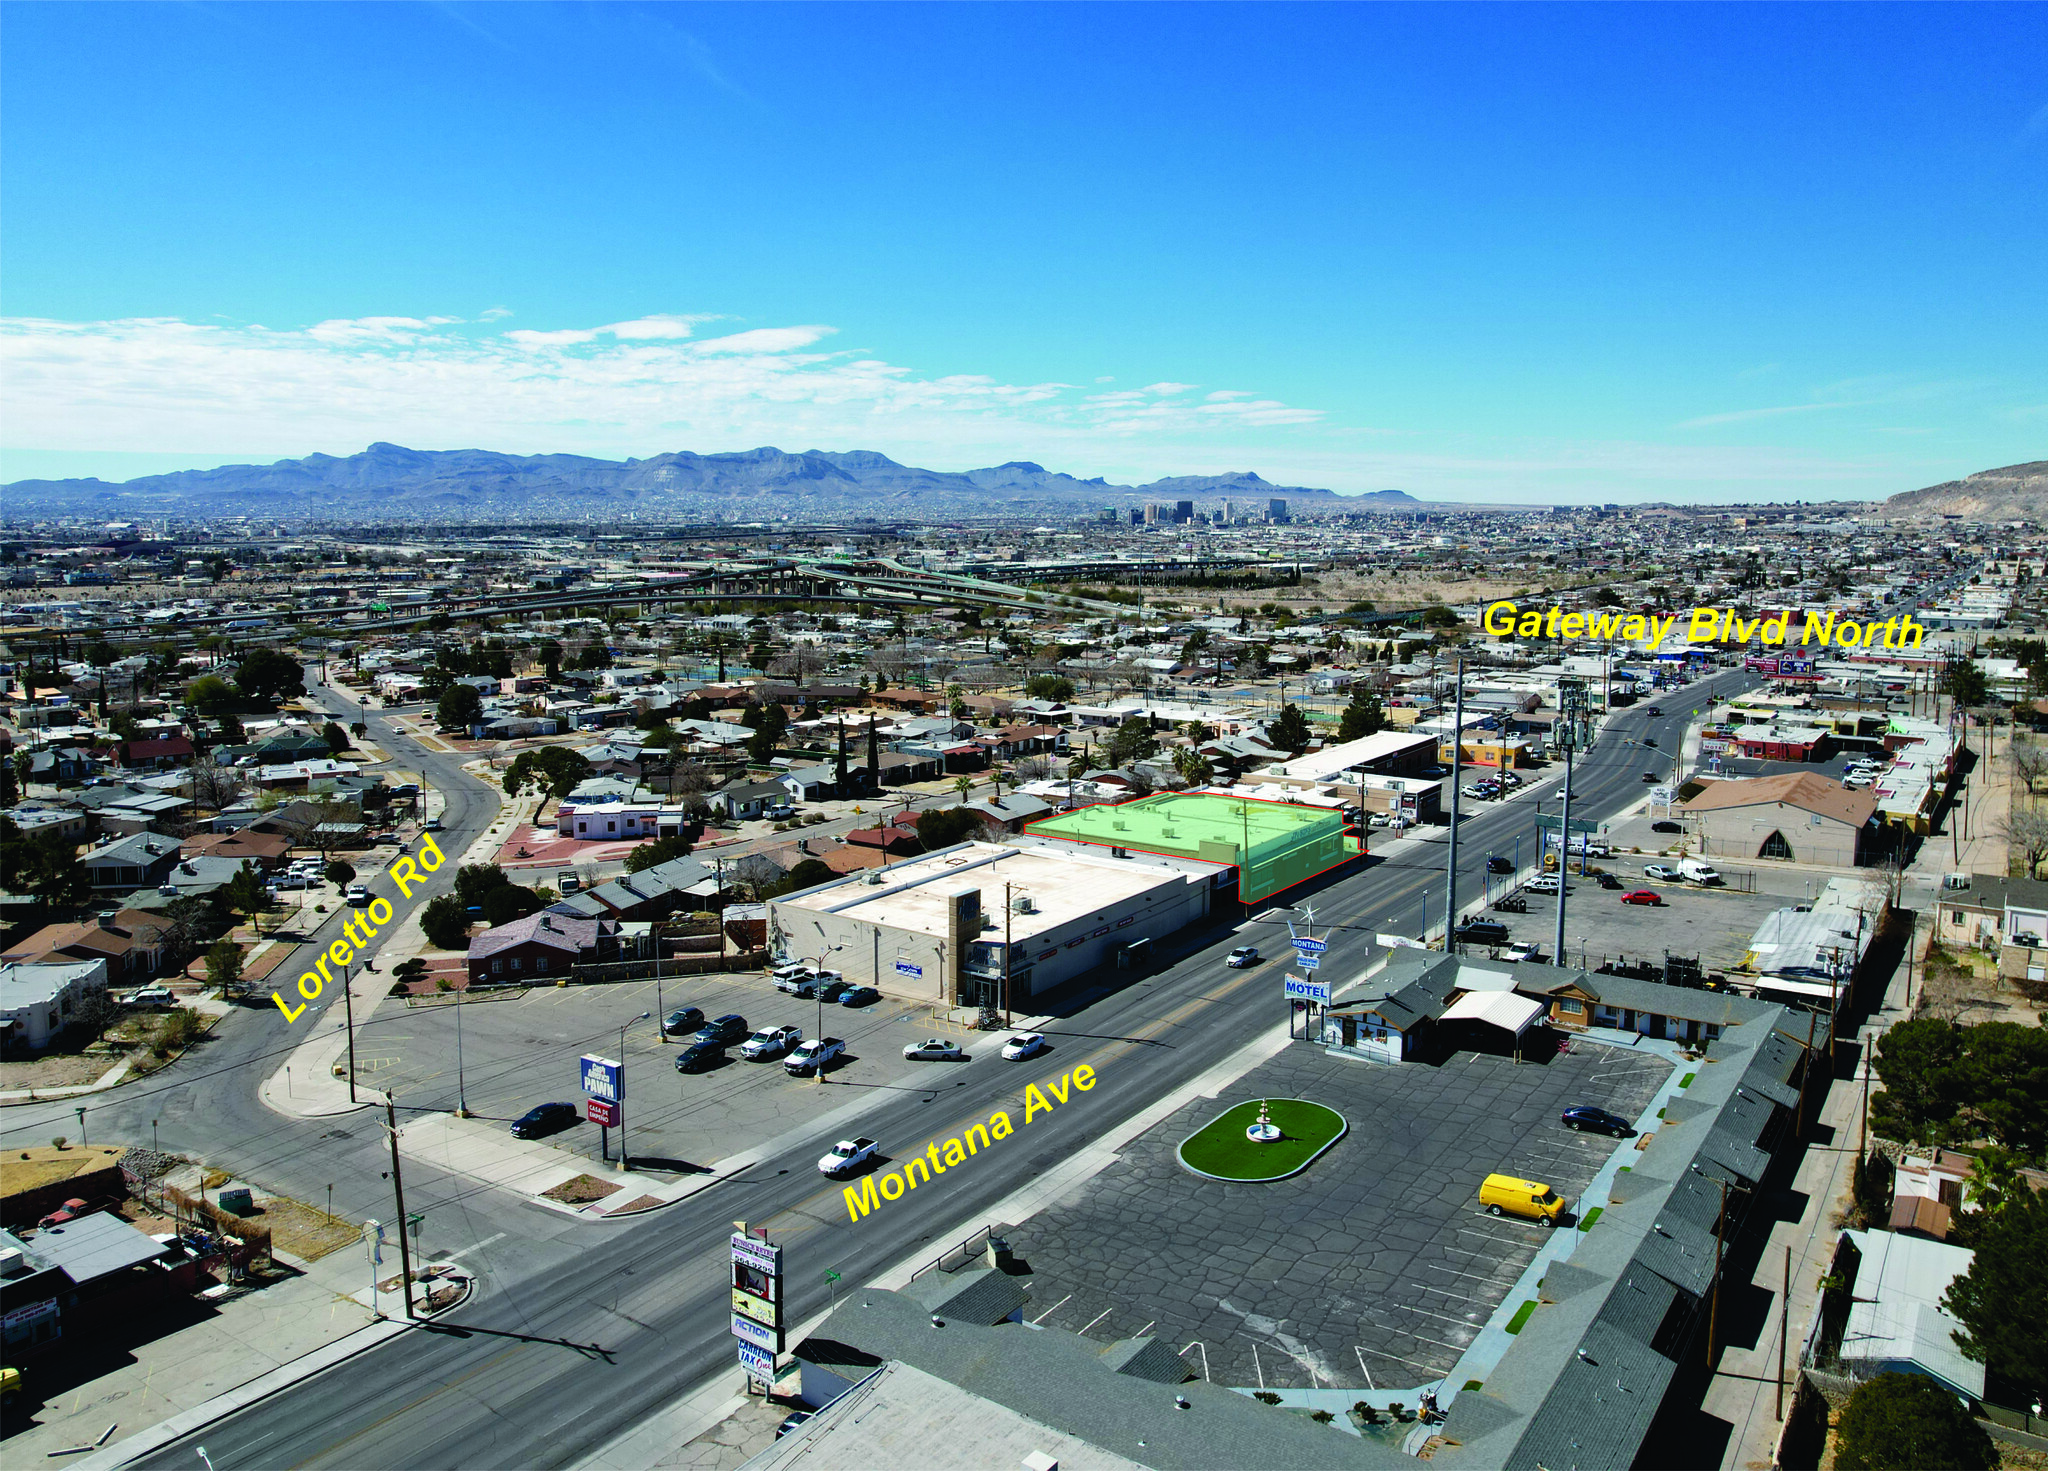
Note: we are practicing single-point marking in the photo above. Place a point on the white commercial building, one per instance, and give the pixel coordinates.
(936, 928)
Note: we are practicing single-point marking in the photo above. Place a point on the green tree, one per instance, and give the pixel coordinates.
(1363, 716)
(459, 707)
(1134, 740)
(806, 875)
(444, 923)
(555, 770)
(2002, 1300)
(246, 892)
(1920, 1064)
(45, 866)
(1963, 681)
(1192, 767)
(550, 654)
(224, 966)
(942, 829)
(475, 882)
(267, 676)
(594, 655)
(209, 695)
(336, 738)
(339, 873)
(1907, 1422)
(770, 723)
(1049, 687)
(1291, 730)
(1436, 615)
(2005, 1083)
(10, 786)
(661, 850)
(510, 901)
(231, 732)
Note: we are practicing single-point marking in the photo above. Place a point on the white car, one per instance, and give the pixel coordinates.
(1543, 883)
(1520, 951)
(1243, 957)
(1023, 1045)
(1858, 780)
(846, 1154)
(1662, 871)
(934, 1049)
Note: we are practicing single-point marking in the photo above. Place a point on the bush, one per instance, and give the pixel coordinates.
(1906, 1422)
(177, 1030)
(509, 902)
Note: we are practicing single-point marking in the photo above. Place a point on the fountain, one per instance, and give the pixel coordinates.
(1265, 1131)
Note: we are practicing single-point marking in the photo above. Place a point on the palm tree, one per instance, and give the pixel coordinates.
(963, 785)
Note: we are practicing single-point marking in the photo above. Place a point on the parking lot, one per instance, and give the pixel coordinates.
(1713, 924)
(521, 1048)
(1376, 1266)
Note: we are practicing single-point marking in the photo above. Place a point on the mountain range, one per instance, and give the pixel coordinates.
(390, 481)
(2012, 493)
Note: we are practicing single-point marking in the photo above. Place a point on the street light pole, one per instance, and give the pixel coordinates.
(622, 1084)
(1457, 753)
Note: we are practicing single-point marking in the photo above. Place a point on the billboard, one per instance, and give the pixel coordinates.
(601, 1112)
(905, 968)
(601, 1078)
(757, 1362)
(1297, 989)
(746, 1330)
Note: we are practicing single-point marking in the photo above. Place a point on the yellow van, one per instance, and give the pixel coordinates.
(1505, 1195)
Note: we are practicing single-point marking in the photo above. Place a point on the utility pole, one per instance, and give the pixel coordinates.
(1784, 1326)
(1457, 751)
(1006, 952)
(398, 1190)
(1571, 700)
(349, 1012)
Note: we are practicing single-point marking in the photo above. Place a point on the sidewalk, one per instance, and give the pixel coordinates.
(240, 1338)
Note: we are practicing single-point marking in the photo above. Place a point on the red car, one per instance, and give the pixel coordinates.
(1642, 896)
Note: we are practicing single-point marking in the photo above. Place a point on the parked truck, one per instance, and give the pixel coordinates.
(811, 1057)
(1694, 871)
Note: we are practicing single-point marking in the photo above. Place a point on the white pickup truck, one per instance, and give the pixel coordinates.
(847, 1154)
(810, 1057)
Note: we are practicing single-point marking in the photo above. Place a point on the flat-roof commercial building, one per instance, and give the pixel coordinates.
(1273, 845)
(937, 929)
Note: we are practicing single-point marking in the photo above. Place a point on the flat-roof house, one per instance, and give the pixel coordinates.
(40, 999)
(140, 861)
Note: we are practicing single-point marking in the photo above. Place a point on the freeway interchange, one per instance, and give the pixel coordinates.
(577, 1331)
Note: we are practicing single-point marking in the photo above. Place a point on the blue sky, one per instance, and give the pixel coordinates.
(1474, 252)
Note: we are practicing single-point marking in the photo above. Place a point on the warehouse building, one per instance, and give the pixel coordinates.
(952, 926)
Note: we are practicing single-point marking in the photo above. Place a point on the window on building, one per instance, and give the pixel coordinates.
(1775, 846)
(498, 967)
(515, 962)
(540, 963)
(1571, 1007)
(1955, 916)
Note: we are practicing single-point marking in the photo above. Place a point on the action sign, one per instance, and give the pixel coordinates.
(600, 1077)
(1298, 989)
(600, 1112)
(757, 1363)
(763, 1337)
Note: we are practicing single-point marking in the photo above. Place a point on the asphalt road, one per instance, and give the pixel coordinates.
(572, 1338)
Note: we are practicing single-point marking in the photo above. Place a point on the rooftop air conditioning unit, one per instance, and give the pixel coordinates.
(1023, 904)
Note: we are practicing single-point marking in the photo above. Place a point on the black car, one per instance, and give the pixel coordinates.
(732, 1027)
(832, 991)
(791, 1422)
(1608, 881)
(1482, 932)
(1656, 710)
(1584, 1116)
(700, 1057)
(1500, 865)
(1666, 827)
(679, 1023)
(1650, 741)
(548, 1118)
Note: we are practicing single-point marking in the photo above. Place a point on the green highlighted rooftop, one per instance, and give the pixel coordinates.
(1276, 845)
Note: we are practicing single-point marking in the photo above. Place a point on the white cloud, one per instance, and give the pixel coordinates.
(494, 314)
(1744, 416)
(627, 388)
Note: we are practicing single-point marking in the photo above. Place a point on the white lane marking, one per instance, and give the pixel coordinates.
(479, 1246)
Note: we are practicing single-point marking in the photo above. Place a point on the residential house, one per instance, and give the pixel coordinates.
(130, 941)
(38, 1000)
(141, 861)
(543, 945)
(268, 851)
(1008, 813)
(748, 799)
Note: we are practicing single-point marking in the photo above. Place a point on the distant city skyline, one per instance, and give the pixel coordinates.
(1497, 255)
